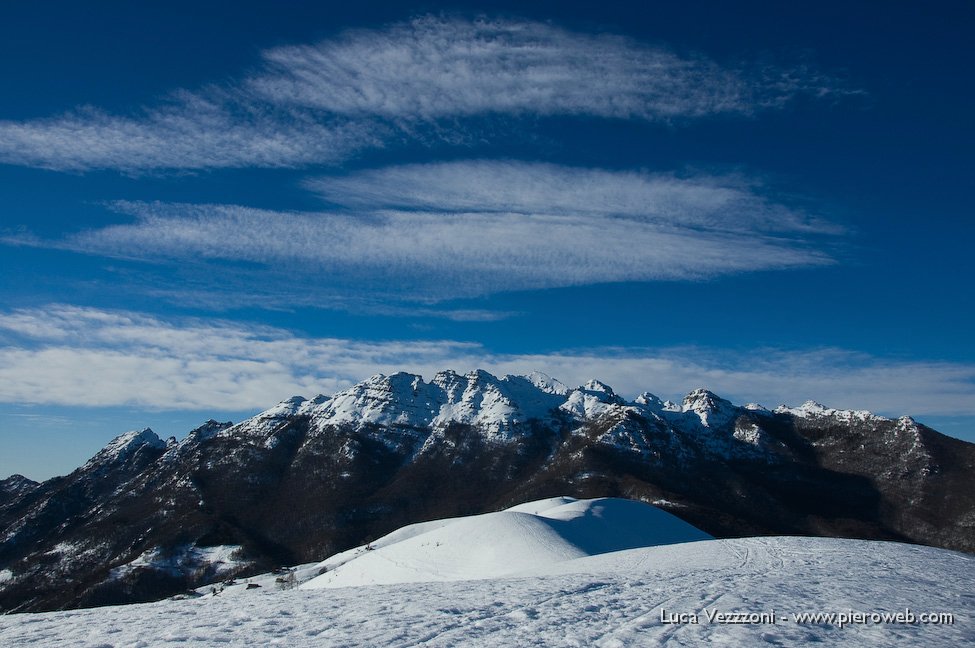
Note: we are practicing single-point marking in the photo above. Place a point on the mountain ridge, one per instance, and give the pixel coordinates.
(311, 477)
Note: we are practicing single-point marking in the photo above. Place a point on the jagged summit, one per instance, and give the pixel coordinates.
(546, 383)
(122, 447)
(703, 399)
(475, 398)
(402, 410)
(500, 405)
(596, 385)
(710, 408)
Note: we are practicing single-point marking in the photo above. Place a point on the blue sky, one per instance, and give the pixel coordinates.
(207, 209)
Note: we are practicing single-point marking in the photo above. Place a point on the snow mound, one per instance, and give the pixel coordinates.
(525, 537)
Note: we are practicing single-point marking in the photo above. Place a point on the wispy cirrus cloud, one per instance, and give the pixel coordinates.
(431, 68)
(66, 355)
(435, 232)
(323, 102)
(189, 131)
(731, 203)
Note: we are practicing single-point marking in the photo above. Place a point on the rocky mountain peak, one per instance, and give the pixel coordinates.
(650, 400)
(711, 409)
(122, 447)
(598, 386)
(15, 485)
(701, 399)
(546, 383)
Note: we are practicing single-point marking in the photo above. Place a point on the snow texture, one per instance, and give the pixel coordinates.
(607, 600)
(618, 598)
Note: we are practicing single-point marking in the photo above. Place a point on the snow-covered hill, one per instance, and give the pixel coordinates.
(495, 544)
(557, 585)
(532, 535)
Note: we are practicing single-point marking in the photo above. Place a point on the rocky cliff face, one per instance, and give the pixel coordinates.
(146, 518)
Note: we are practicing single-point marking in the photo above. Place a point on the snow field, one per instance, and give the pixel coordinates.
(556, 572)
(607, 600)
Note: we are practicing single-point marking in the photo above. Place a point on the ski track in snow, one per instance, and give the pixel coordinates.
(605, 600)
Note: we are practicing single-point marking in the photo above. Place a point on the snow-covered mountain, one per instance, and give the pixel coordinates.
(558, 572)
(148, 517)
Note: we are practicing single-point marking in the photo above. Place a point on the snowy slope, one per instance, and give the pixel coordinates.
(609, 600)
(496, 544)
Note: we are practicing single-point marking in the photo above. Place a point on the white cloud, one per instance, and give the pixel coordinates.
(81, 356)
(434, 67)
(66, 355)
(433, 232)
(361, 89)
(723, 203)
(190, 132)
